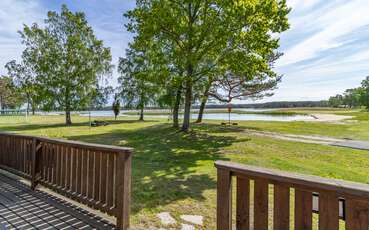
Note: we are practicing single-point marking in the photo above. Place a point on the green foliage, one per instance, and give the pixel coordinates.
(261, 84)
(336, 101)
(136, 88)
(364, 93)
(100, 96)
(27, 82)
(174, 171)
(9, 94)
(204, 37)
(351, 98)
(68, 58)
(116, 105)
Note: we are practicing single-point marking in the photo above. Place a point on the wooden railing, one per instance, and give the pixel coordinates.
(96, 175)
(332, 200)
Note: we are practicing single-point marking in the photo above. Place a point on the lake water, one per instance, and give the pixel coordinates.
(218, 116)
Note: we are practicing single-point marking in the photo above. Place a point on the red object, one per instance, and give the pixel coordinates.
(229, 108)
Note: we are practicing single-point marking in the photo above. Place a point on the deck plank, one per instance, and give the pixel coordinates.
(22, 208)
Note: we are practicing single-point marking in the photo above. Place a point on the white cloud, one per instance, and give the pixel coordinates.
(338, 20)
(325, 51)
(13, 14)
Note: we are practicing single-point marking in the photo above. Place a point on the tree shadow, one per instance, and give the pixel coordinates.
(165, 162)
(32, 127)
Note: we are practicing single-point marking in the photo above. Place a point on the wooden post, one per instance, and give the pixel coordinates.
(34, 164)
(123, 189)
(224, 200)
(36, 149)
(243, 204)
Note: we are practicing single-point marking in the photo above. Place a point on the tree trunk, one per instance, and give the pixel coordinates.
(176, 107)
(33, 108)
(203, 102)
(201, 110)
(141, 114)
(188, 103)
(27, 108)
(68, 120)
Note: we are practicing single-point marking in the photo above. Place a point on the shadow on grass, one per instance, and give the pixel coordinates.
(168, 165)
(165, 161)
(36, 126)
(218, 128)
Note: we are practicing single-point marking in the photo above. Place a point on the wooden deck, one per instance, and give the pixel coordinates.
(95, 177)
(23, 208)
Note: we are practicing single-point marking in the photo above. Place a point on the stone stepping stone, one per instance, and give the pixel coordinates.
(187, 227)
(193, 219)
(166, 218)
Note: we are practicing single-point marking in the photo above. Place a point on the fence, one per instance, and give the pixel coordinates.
(330, 199)
(96, 175)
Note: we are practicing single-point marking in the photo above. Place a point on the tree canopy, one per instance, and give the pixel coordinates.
(9, 94)
(203, 37)
(68, 58)
(136, 89)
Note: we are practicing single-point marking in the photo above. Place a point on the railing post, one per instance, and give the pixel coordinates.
(224, 200)
(35, 162)
(123, 189)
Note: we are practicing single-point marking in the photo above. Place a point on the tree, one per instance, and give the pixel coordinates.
(100, 96)
(10, 97)
(351, 97)
(26, 81)
(364, 92)
(256, 84)
(336, 101)
(137, 90)
(204, 98)
(116, 105)
(68, 58)
(204, 34)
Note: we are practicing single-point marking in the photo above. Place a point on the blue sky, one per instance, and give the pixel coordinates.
(326, 49)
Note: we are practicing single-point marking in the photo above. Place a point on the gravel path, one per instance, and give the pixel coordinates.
(314, 139)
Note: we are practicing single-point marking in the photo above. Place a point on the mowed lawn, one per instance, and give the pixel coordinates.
(174, 171)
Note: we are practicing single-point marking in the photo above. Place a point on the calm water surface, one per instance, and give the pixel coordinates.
(219, 116)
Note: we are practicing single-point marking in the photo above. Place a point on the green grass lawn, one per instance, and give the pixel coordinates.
(174, 171)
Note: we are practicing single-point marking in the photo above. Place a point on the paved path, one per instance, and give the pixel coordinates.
(363, 145)
(310, 139)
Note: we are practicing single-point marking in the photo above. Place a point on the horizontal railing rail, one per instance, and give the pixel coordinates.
(96, 175)
(330, 199)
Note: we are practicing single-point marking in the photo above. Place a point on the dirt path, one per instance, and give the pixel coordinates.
(314, 139)
(320, 117)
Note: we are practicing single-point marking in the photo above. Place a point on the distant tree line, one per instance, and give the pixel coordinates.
(352, 98)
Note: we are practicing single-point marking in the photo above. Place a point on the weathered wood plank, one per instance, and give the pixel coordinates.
(297, 180)
(39, 210)
(328, 211)
(281, 210)
(357, 214)
(90, 174)
(303, 209)
(124, 174)
(261, 192)
(224, 200)
(243, 204)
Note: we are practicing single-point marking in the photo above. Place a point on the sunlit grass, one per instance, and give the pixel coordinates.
(174, 171)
